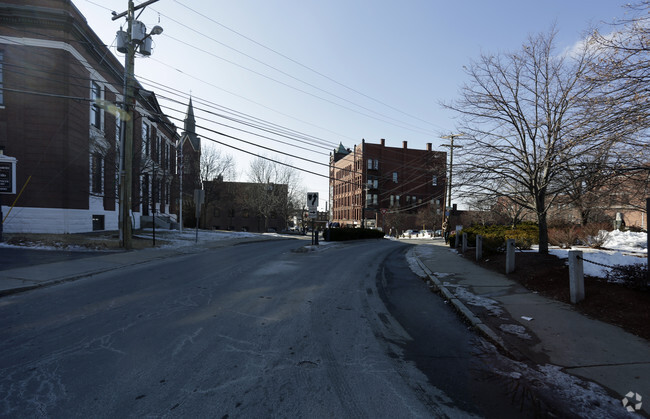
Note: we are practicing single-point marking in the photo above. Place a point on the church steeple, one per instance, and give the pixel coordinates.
(189, 131)
(190, 122)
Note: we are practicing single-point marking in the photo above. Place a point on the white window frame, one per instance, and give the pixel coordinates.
(96, 93)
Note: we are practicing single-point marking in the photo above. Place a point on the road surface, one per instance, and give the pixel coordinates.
(255, 330)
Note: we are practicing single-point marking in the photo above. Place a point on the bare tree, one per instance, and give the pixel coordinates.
(523, 115)
(276, 189)
(215, 164)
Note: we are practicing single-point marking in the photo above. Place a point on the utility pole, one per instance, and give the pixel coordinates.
(127, 44)
(451, 165)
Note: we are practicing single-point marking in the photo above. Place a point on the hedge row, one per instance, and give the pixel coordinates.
(495, 236)
(343, 234)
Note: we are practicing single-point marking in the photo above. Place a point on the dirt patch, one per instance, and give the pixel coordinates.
(89, 241)
(549, 276)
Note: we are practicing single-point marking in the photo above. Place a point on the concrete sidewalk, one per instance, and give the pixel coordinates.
(539, 329)
(35, 276)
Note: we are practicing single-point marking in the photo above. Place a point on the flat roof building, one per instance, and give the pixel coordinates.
(376, 186)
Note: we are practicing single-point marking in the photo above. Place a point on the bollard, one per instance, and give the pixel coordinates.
(576, 276)
(510, 256)
(464, 243)
(479, 247)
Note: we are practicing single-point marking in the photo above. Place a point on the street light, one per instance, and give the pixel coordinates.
(127, 41)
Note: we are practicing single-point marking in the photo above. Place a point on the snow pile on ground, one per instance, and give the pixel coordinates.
(627, 241)
(621, 248)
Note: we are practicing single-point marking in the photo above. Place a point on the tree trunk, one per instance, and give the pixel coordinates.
(543, 233)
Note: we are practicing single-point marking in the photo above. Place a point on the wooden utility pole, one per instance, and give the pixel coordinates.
(451, 165)
(126, 151)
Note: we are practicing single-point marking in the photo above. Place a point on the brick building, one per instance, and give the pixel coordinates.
(245, 206)
(59, 118)
(386, 187)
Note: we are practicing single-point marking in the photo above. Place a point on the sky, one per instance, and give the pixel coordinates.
(316, 74)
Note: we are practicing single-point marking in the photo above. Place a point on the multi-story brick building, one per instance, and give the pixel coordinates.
(374, 185)
(59, 117)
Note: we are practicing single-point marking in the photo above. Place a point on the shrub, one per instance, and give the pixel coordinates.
(564, 236)
(344, 234)
(495, 236)
(593, 234)
(635, 276)
(452, 239)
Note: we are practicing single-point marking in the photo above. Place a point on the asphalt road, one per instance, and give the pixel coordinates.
(255, 330)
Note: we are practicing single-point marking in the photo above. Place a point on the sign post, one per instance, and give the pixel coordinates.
(312, 205)
(199, 198)
(7, 181)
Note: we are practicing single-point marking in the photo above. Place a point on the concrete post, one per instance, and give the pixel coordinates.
(479, 247)
(576, 276)
(464, 243)
(510, 256)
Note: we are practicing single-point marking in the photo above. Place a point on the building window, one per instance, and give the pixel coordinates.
(434, 181)
(158, 152)
(95, 110)
(395, 177)
(392, 200)
(2, 99)
(376, 164)
(97, 171)
(146, 143)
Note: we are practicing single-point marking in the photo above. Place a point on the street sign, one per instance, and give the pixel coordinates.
(7, 174)
(199, 199)
(312, 200)
(313, 214)
(384, 211)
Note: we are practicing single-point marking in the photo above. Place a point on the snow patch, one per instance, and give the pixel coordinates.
(472, 299)
(515, 329)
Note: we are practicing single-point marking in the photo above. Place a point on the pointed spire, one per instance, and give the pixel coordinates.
(190, 122)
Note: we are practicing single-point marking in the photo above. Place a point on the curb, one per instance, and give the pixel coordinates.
(462, 309)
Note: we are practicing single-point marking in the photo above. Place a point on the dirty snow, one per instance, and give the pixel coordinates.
(515, 329)
(472, 299)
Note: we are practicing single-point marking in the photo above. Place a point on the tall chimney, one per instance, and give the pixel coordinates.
(405, 144)
(428, 146)
(383, 142)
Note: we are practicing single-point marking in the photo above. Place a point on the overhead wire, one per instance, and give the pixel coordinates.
(305, 66)
(403, 165)
(230, 136)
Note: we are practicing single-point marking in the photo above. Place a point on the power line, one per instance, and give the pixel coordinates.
(306, 67)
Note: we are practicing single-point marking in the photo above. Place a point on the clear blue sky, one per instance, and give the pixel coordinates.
(348, 69)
